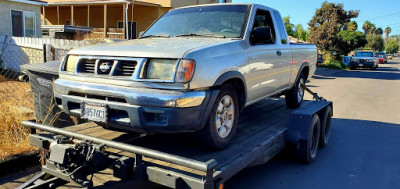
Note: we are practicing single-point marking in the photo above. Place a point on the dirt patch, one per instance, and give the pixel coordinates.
(16, 105)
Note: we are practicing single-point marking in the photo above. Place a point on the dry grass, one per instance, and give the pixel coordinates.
(16, 105)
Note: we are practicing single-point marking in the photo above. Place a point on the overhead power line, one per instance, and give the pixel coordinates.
(380, 17)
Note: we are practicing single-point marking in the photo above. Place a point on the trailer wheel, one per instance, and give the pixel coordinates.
(223, 120)
(325, 127)
(307, 149)
(294, 97)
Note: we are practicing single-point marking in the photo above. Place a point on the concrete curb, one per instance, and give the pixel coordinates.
(19, 162)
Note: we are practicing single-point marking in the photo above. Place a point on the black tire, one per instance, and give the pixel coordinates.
(325, 127)
(210, 136)
(292, 96)
(307, 149)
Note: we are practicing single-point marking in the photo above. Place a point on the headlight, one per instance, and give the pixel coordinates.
(356, 60)
(70, 63)
(160, 69)
(370, 60)
(185, 71)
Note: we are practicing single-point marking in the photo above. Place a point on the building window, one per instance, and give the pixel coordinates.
(222, 1)
(23, 23)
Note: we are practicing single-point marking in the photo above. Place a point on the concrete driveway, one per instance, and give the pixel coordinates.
(364, 147)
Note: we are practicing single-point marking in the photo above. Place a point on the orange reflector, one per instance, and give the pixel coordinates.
(189, 70)
(221, 186)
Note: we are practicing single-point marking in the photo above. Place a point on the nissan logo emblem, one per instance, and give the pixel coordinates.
(105, 67)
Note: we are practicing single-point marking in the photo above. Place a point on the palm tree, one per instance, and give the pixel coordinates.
(368, 27)
(379, 32)
(388, 30)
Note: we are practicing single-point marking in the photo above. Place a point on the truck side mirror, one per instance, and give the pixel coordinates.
(262, 35)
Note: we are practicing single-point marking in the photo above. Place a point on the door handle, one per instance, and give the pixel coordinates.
(279, 53)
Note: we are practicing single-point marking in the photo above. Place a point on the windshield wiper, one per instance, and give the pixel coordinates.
(200, 35)
(147, 36)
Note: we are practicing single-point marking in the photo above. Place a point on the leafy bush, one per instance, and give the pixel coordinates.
(333, 62)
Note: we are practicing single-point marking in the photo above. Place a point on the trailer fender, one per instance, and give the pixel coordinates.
(300, 120)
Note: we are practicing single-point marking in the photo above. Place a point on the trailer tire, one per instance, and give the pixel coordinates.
(211, 136)
(325, 127)
(294, 96)
(307, 149)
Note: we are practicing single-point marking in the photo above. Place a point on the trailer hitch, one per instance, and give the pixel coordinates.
(71, 161)
(315, 95)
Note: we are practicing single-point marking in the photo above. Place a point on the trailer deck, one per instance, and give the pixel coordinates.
(260, 136)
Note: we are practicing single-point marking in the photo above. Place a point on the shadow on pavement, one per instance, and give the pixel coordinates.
(383, 73)
(360, 154)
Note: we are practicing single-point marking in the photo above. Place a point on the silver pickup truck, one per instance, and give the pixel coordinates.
(193, 70)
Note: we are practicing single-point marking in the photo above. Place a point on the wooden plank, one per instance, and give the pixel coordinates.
(124, 19)
(88, 16)
(58, 15)
(79, 127)
(72, 15)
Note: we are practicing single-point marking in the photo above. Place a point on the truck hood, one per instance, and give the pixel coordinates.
(149, 47)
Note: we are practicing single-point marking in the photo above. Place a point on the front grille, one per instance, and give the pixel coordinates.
(125, 68)
(86, 66)
(107, 66)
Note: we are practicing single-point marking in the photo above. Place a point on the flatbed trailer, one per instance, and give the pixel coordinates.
(176, 160)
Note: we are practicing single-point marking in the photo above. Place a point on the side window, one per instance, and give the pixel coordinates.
(281, 27)
(263, 19)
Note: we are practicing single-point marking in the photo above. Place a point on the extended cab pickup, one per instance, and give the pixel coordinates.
(193, 70)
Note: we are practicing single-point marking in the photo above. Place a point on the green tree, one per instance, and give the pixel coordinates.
(392, 46)
(368, 27)
(351, 26)
(301, 33)
(375, 42)
(289, 26)
(350, 40)
(325, 25)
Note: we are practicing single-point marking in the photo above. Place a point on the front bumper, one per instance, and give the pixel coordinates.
(137, 109)
(362, 64)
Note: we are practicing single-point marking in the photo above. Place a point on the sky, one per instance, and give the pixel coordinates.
(382, 13)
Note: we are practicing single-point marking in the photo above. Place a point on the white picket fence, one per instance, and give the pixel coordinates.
(37, 43)
(27, 50)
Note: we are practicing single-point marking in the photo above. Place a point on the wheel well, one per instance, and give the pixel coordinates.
(306, 71)
(239, 89)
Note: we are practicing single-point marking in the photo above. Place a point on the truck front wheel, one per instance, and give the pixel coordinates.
(223, 120)
(294, 96)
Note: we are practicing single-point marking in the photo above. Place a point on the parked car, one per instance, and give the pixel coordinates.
(193, 70)
(381, 59)
(390, 56)
(383, 54)
(364, 59)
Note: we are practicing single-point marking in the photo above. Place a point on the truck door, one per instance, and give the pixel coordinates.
(284, 51)
(265, 64)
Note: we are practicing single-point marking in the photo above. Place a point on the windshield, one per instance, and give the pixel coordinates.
(364, 54)
(222, 21)
(380, 53)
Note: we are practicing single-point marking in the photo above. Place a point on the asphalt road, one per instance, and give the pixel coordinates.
(364, 146)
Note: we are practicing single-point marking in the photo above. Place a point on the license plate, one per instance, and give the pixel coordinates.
(360, 64)
(93, 112)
